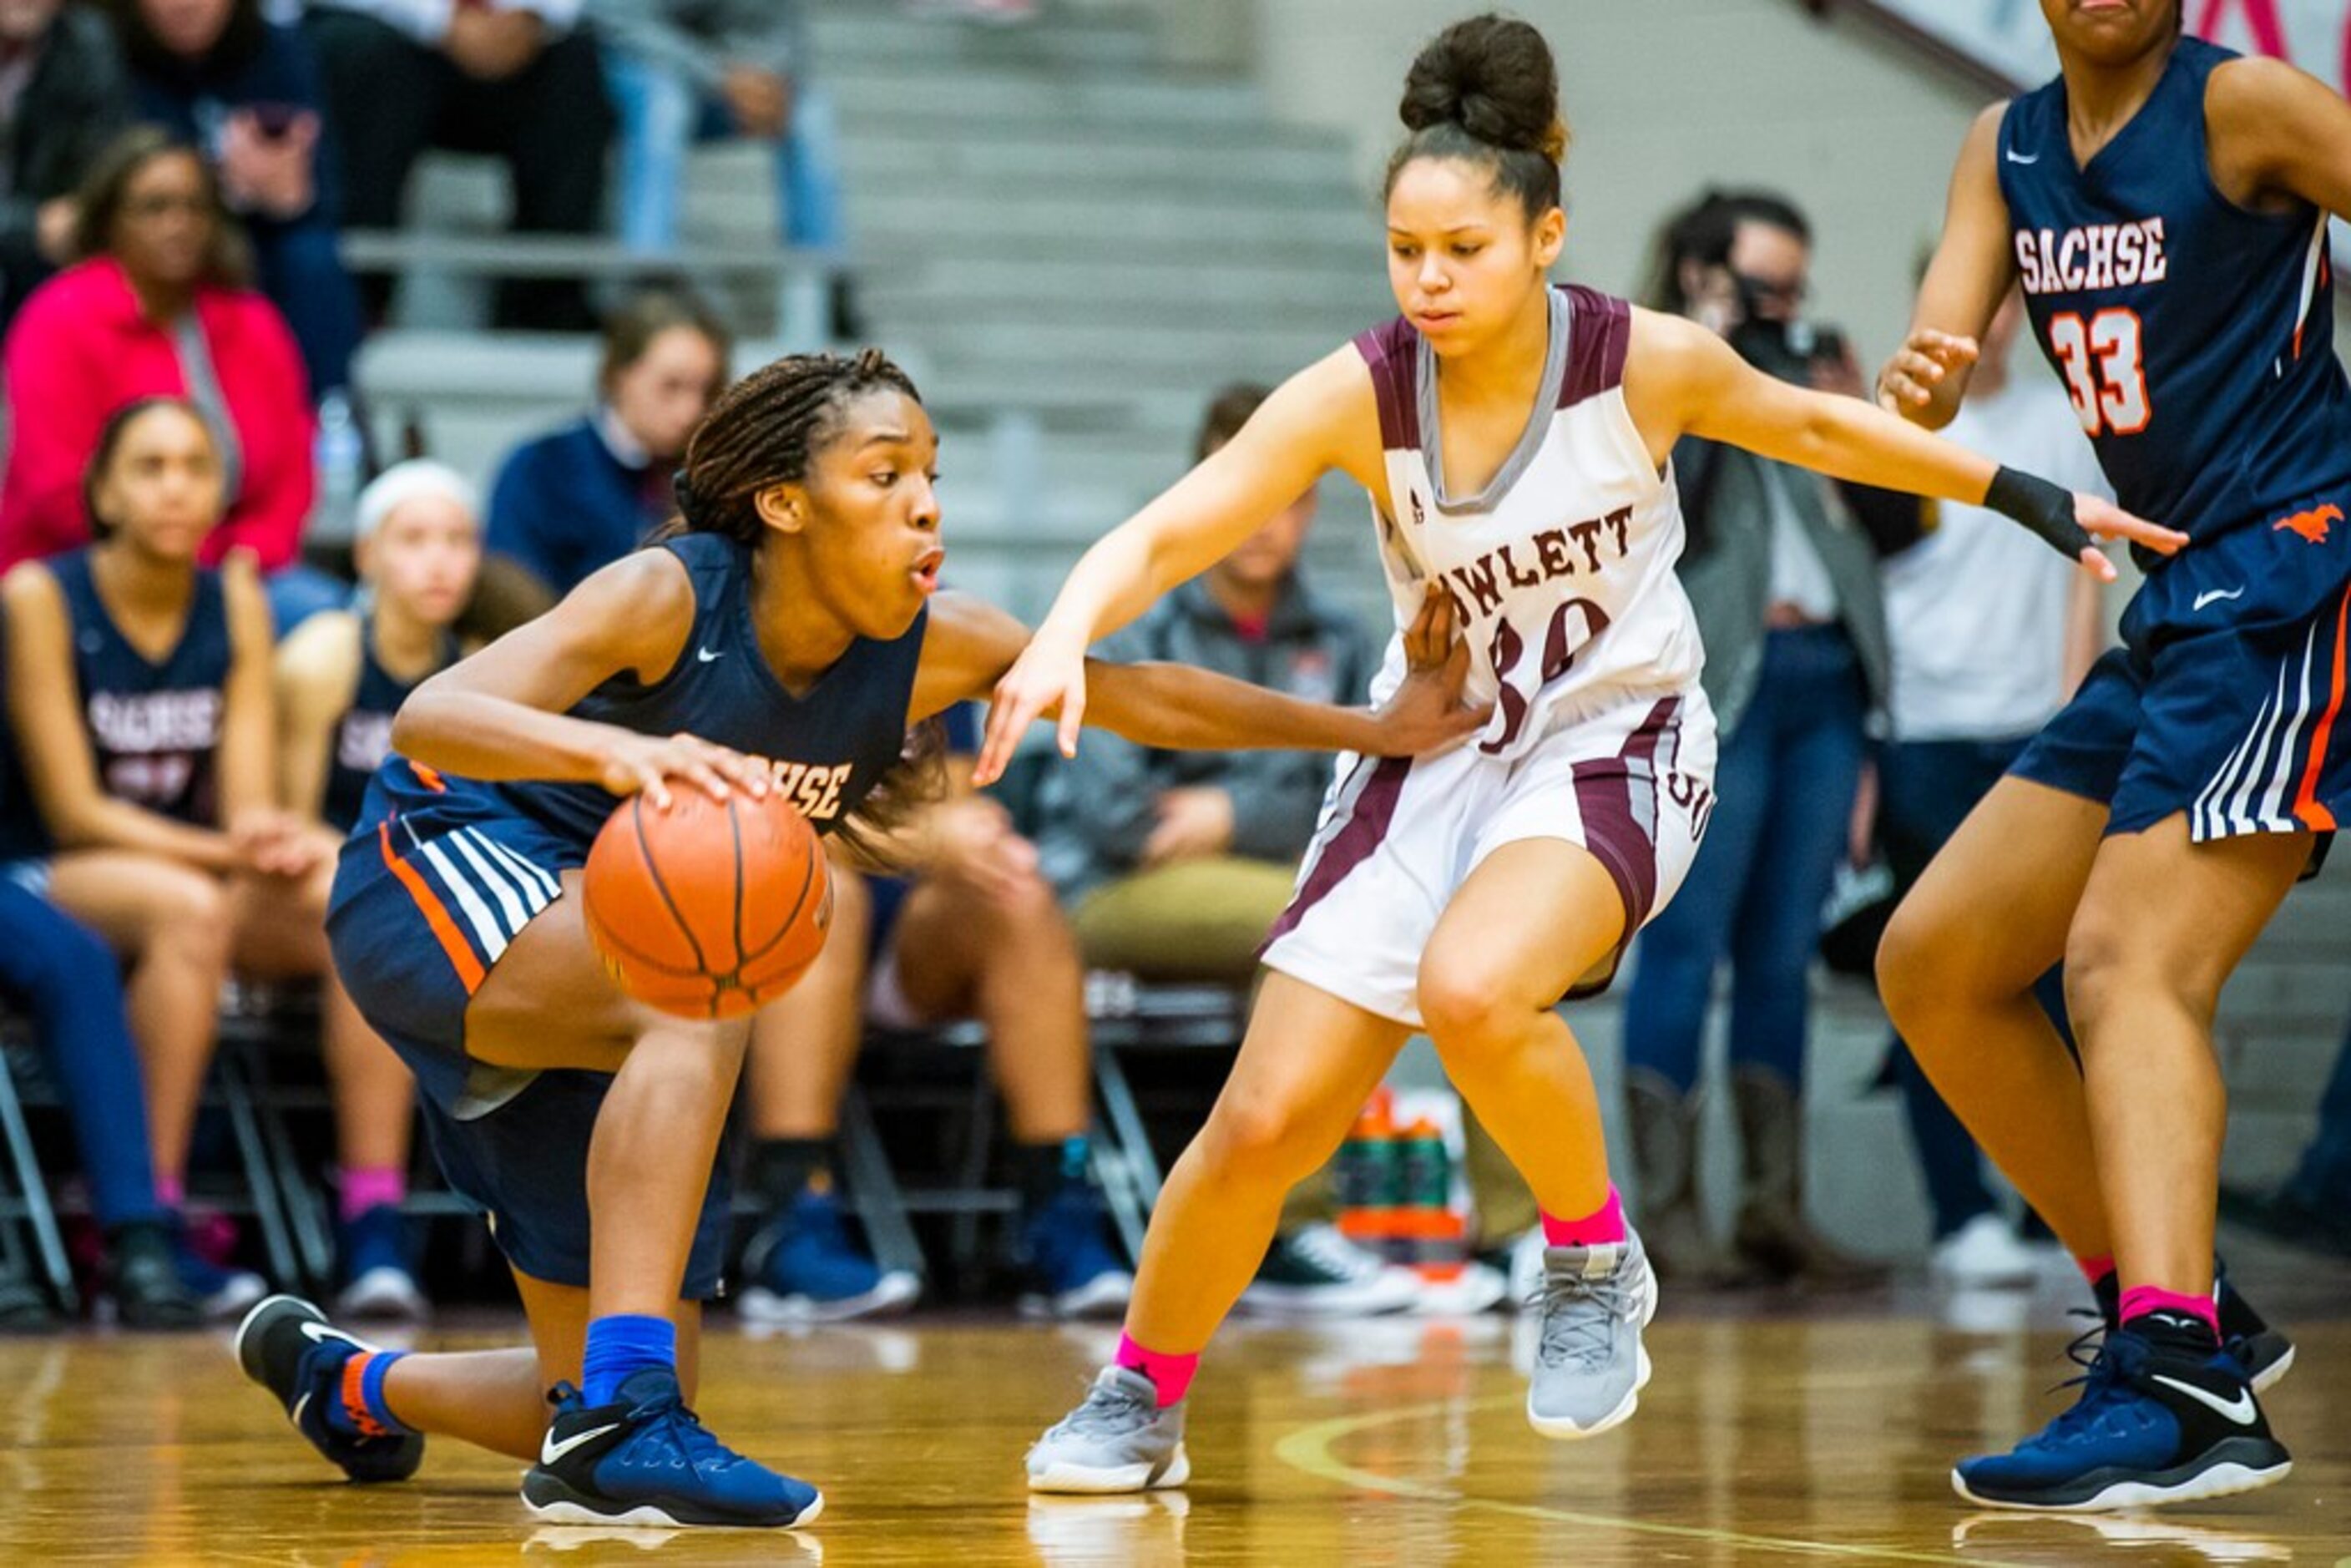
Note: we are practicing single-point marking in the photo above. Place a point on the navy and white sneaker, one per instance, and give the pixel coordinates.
(221, 1292)
(373, 1249)
(1065, 1251)
(288, 1347)
(2265, 1352)
(2155, 1424)
(645, 1459)
(802, 1268)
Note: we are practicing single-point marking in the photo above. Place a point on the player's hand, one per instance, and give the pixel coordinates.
(760, 101)
(1910, 379)
(1427, 712)
(2101, 519)
(270, 842)
(646, 764)
(1047, 677)
(1195, 820)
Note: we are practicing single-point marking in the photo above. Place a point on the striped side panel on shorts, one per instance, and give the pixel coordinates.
(2268, 784)
(1617, 800)
(476, 893)
(1353, 834)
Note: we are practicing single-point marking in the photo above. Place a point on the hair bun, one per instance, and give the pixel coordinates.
(1493, 76)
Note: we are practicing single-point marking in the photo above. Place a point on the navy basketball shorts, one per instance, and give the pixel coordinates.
(428, 893)
(2226, 701)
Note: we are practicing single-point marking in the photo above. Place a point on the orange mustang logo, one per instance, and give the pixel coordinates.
(2310, 525)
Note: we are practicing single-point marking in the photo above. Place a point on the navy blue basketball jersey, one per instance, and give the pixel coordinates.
(2195, 336)
(154, 727)
(830, 745)
(362, 736)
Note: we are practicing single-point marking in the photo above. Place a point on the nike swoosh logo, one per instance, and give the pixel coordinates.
(2016, 157)
(2240, 1409)
(549, 1450)
(324, 1333)
(707, 655)
(2210, 594)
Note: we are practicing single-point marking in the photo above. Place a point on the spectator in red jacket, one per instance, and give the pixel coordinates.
(156, 306)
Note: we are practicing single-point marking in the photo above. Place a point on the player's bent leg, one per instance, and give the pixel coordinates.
(1306, 1067)
(1956, 969)
(1534, 917)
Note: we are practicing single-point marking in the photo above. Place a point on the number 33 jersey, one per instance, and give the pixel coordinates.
(2194, 335)
(1562, 568)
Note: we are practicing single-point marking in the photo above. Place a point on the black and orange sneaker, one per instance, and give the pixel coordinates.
(288, 1347)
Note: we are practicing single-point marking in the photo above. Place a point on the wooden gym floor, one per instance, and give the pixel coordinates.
(1774, 1433)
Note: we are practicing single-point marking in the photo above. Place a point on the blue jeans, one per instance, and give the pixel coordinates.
(1927, 788)
(70, 980)
(1785, 786)
(302, 273)
(663, 114)
(2322, 1180)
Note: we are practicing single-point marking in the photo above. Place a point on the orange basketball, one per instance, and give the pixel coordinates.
(711, 909)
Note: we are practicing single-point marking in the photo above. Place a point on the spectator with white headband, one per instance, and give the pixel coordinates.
(341, 678)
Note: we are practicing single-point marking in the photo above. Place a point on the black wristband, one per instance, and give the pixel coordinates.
(2045, 509)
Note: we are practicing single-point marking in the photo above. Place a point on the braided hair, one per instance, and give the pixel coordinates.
(766, 430)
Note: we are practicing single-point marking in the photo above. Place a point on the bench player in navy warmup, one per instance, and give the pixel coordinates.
(2164, 204)
(788, 632)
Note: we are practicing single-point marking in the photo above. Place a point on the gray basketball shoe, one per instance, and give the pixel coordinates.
(1589, 1364)
(1119, 1440)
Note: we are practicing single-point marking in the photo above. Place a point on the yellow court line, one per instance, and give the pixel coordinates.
(1309, 1448)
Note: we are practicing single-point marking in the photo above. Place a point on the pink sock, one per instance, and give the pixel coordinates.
(1601, 1227)
(172, 1191)
(2096, 1268)
(2141, 1300)
(370, 1186)
(1171, 1375)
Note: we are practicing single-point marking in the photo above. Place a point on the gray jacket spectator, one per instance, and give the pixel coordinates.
(63, 96)
(1101, 808)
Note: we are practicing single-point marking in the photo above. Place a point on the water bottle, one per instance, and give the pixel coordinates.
(341, 453)
(1367, 1175)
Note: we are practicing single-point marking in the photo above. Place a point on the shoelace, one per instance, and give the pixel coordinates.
(2103, 1378)
(1569, 1332)
(1108, 1412)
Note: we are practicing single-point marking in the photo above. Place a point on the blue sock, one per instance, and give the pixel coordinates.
(359, 1410)
(620, 1344)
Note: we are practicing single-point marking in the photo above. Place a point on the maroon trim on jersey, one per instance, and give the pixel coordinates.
(1621, 835)
(1601, 328)
(1352, 845)
(1390, 350)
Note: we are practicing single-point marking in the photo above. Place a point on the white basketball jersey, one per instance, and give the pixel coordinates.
(1561, 570)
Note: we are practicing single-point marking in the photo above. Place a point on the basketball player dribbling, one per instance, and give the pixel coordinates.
(1514, 438)
(787, 638)
(2164, 204)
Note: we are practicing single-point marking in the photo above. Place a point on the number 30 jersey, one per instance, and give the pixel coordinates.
(2195, 336)
(1562, 568)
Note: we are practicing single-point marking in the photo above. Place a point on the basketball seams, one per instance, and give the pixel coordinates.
(661, 886)
(735, 839)
(808, 880)
(609, 935)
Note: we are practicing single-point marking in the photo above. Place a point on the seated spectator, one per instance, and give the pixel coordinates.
(683, 71)
(2312, 1209)
(138, 683)
(506, 77)
(974, 933)
(245, 92)
(1959, 719)
(63, 97)
(59, 972)
(158, 308)
(340, 679)
(581, 497)
(1176, 865)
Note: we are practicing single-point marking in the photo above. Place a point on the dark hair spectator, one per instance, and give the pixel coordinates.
(514, 77)
(63, 97)
(246, 91)
(156, 308)
(581, 496)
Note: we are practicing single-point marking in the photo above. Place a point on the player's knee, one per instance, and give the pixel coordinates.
(189, 912)
(1924, 965)
(1260, 1137)
(1466, 1006)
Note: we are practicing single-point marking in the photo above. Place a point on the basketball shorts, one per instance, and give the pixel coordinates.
(1632, 785)
(428, 893)
(2225, 702)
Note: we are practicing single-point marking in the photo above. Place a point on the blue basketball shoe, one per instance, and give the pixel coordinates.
(288, 1347)
(1064, 1247)
(2265, 1352)
(646, 1459)
(2157, 1422)
(802, 1268)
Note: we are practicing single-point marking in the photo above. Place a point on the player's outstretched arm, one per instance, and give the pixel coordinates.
(970, 645)
(1682, 380)
(500, 715)
(1969, 274)
(1298, 434)
(2275, 130)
